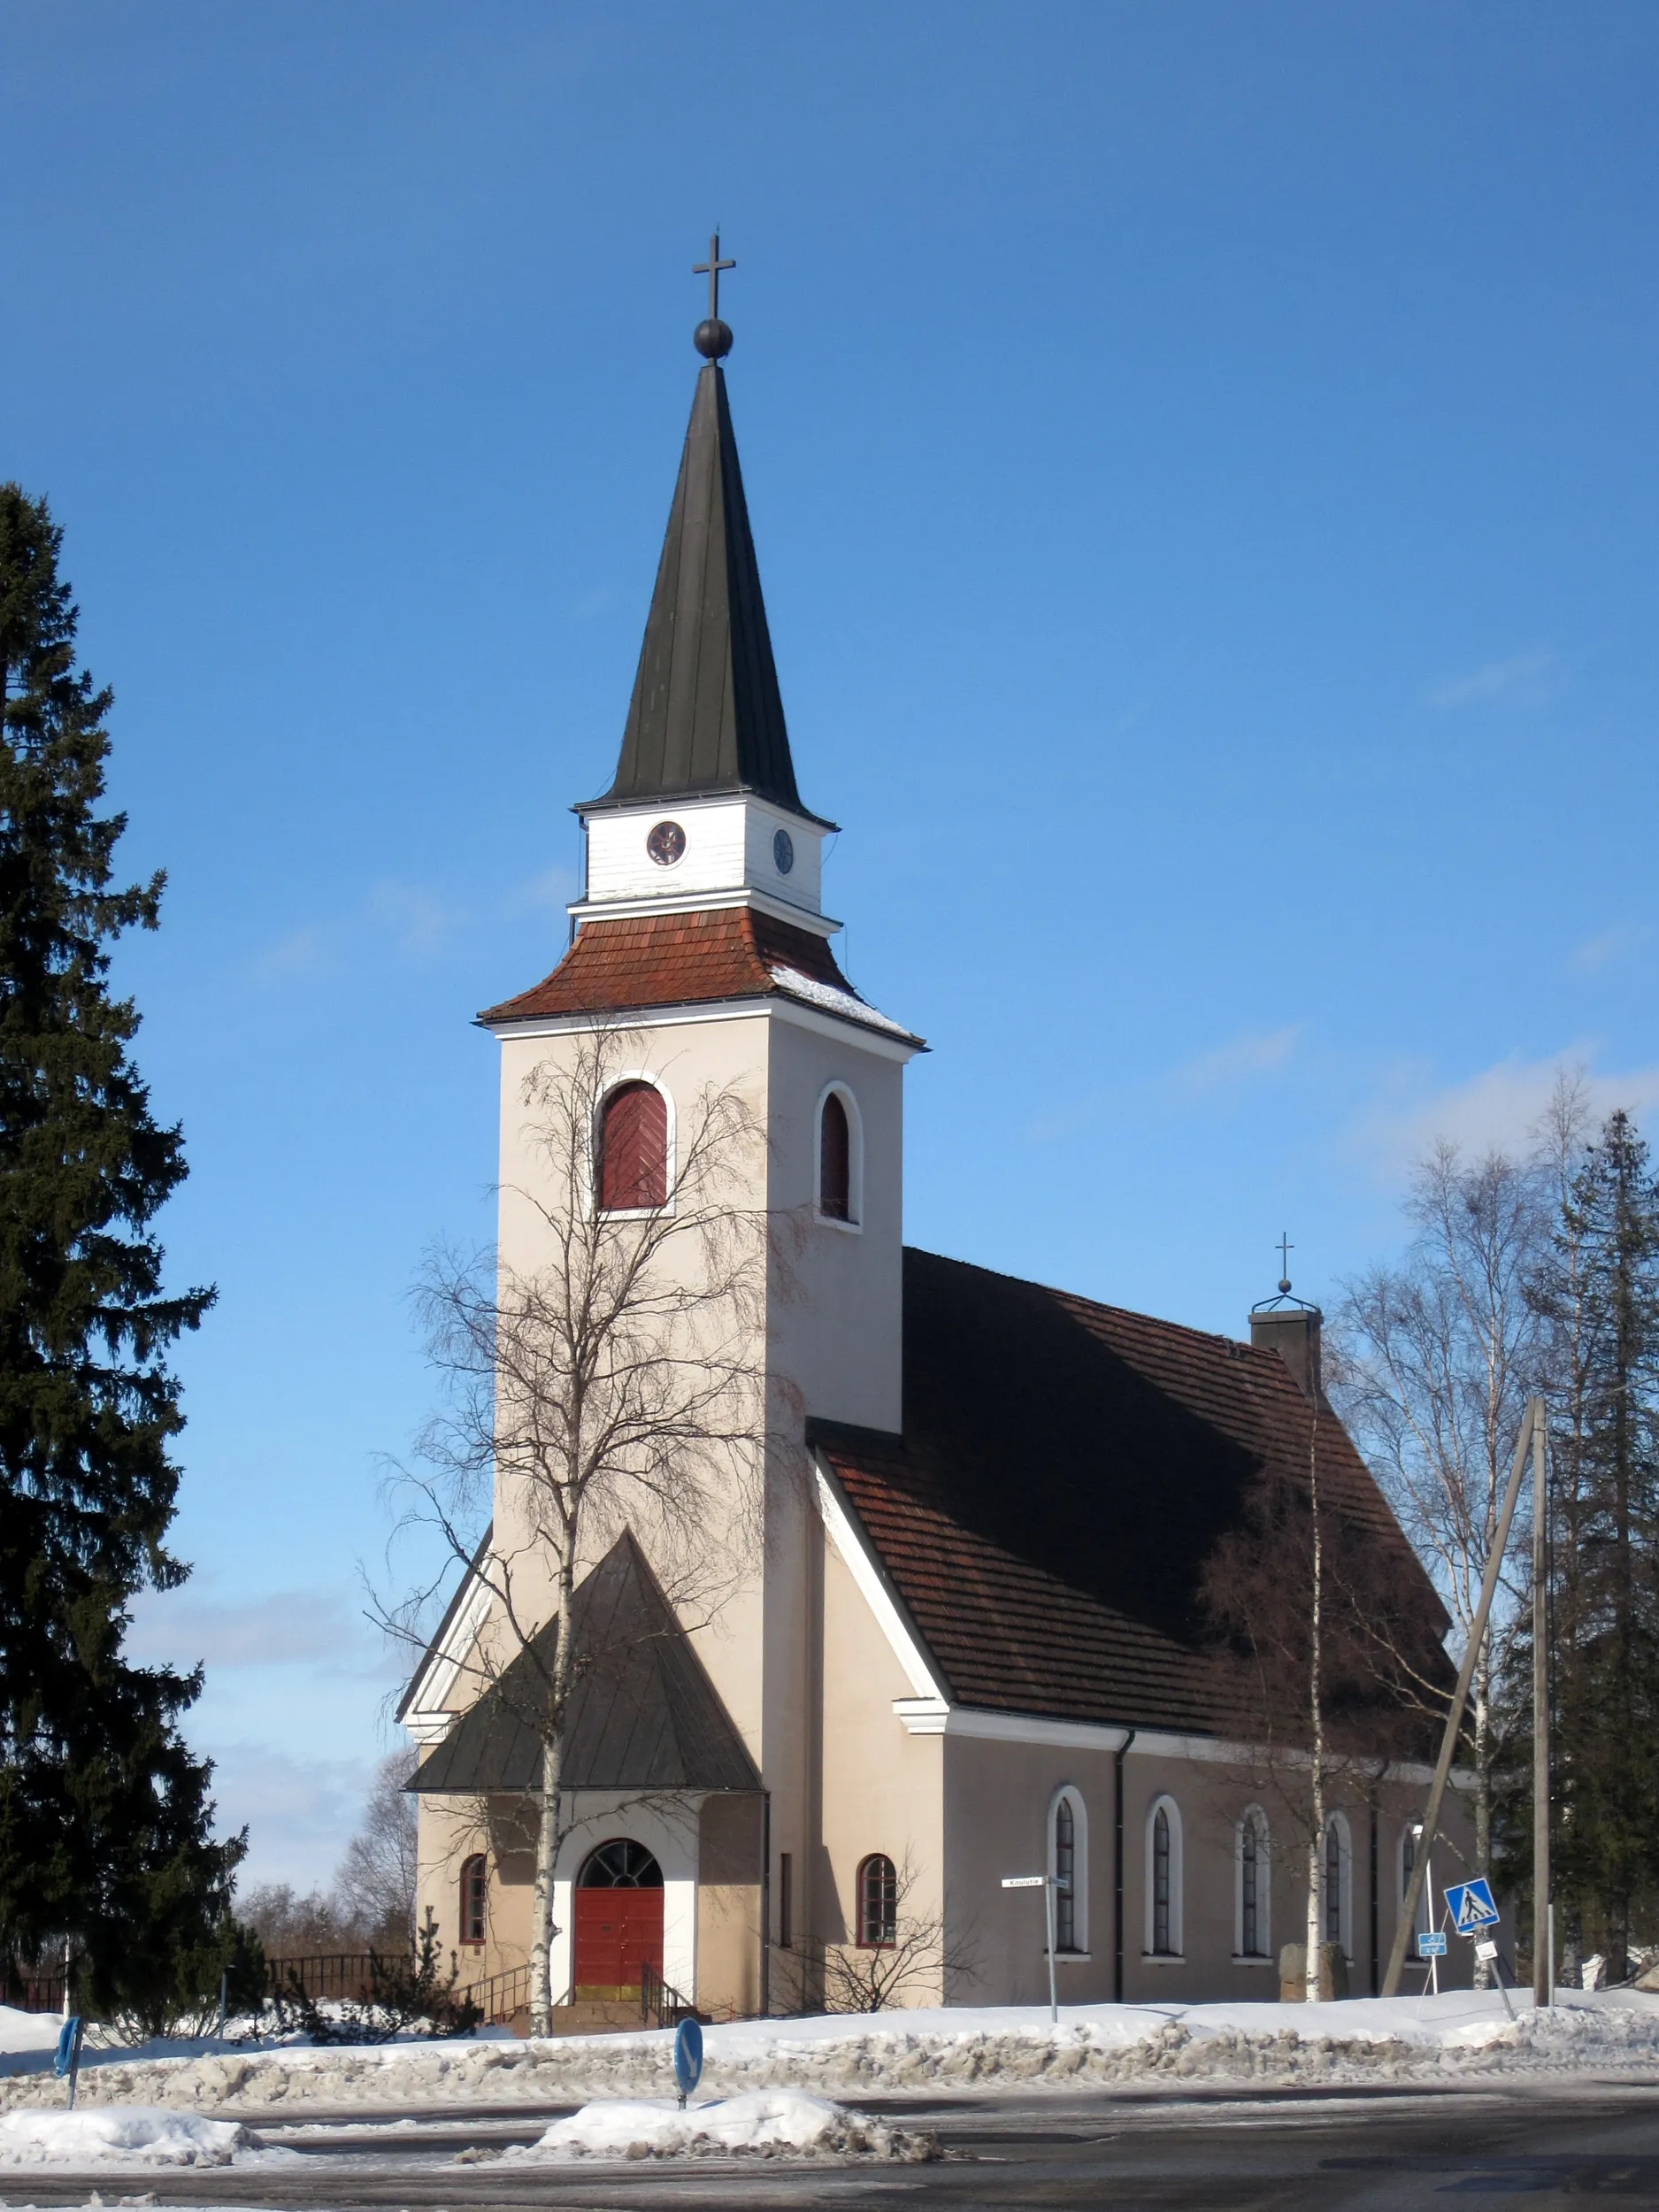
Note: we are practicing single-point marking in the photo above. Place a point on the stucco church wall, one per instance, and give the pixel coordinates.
(881, 1789)
(997, 1801)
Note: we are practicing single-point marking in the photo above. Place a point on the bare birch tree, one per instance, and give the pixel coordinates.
(1323, 1627)
(1434, 1362)
(614, 1381)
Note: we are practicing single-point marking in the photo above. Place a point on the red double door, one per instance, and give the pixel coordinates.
(617, 1932)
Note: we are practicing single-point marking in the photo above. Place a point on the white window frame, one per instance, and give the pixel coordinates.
(620, 1081)
(1253, 1817)
(1176, 1953)
(854, 1226)
(1068, 1794)
(1338, 1822)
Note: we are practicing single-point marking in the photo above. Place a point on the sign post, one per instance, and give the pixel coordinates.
(1474, 1910)
(1048, 1884)
(687, 2058)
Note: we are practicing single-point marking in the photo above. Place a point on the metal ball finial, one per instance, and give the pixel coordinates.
(712, 338)
(1284, 1286)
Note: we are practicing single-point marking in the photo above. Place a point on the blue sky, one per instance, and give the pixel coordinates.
(1203, 459)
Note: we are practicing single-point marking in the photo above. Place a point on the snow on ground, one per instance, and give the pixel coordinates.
(763, 2120)
(1459, 2035)
(127, 2135)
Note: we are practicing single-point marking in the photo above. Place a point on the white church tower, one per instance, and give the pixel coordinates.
(701, 933)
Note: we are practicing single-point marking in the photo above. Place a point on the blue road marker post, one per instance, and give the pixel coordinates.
(687, 2058)
(66, 2059)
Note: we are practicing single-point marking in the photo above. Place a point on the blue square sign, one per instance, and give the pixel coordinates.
(1431, 1943)
(1470, 1904)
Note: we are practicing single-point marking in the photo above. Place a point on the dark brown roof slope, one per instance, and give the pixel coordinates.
(1065, 1472)
(679, 960)
(644, 1714)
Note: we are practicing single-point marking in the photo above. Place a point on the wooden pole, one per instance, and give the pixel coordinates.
(1543, 1964)
(1530, 1422)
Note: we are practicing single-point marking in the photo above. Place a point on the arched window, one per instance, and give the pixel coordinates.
(1068, 1863)
(474, 1898)
(835, 1160)
(1338, 1875)
(634, 1149)
(878, 1903)
(1253, 1930)
(1164, 1879)
(621, 1864)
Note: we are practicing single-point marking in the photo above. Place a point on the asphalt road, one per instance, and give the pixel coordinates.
(1218, 2153)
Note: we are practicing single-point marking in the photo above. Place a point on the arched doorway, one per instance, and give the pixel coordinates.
(618, 1920)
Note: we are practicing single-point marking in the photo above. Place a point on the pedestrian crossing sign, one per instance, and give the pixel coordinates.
(1471, 1906)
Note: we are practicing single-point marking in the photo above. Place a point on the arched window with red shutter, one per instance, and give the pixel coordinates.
(634, 1149)
(835, 1160)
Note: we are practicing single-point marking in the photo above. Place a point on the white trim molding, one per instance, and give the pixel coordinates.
(937, 1716)
(883, 1042)
(425, 1717)
(872, 1587)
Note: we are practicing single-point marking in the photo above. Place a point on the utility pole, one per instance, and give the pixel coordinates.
(1531, 1422)
(1543, 1947)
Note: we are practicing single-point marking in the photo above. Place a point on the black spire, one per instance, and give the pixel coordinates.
(706, 715)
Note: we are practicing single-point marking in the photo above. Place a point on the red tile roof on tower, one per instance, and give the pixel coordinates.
(657, 960)
(1065, 1472)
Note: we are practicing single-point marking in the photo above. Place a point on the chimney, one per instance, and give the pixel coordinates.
(1292, 1330)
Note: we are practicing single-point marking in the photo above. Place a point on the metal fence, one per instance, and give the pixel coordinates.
(346, 1974)
(32, 1992)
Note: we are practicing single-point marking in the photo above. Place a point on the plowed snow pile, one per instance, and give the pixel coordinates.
(130, 2135)
(1406, 2038)
(763, 2121)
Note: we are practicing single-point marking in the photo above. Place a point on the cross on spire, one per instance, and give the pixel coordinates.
(1286, 1248)
(711, 269)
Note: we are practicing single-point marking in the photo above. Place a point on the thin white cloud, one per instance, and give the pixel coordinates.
(1497, 1108)
(299, 1813)
(1228, 1067)
(302, 952)
(417, 919)
(549, 893)
(1528, 680)
(1596, 953)
(288, 1628)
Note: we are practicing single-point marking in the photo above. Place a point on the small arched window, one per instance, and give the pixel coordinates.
(1254, 1932)
(1068, 1863)
(474, 1899)
(877, 1903)
(634, 1149)
(835, 1160)
(1164, 1880)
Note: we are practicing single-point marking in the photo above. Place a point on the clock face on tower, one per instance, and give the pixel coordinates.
(666, 843)
(783, 851)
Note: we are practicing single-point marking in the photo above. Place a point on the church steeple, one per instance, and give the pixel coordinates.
(706, 716)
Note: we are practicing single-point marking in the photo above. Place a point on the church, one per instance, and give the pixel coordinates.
(969, 1648)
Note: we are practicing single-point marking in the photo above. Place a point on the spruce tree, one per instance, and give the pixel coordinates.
(105, 1821)
(1602, 1297)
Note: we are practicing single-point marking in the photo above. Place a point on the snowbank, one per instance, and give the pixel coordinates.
(1458, 2035)
(763, 2120)
(128, 2135)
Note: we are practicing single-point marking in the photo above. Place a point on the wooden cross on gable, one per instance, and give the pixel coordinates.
(711, 269)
